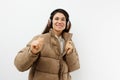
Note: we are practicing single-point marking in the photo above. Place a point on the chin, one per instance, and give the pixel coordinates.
(59, 30)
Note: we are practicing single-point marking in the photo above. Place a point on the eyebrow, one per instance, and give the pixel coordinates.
(60, 17)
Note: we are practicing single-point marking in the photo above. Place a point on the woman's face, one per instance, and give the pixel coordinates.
(59, 22)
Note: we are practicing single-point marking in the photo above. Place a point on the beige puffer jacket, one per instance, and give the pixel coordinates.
(49, 63)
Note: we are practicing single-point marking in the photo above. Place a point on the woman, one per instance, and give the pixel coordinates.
(52, 54)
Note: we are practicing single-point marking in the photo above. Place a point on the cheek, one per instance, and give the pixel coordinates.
(64, 24)
(54, 22)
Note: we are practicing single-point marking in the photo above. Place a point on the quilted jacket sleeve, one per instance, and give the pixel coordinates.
(24, 59)
(72, 60)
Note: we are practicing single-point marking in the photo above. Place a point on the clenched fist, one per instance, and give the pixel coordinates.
(36, 45)
(69, 47)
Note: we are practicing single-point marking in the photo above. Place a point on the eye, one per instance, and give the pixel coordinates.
(63, 19)
(56, 18)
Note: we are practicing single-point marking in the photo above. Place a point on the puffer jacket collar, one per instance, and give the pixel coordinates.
(66, 36)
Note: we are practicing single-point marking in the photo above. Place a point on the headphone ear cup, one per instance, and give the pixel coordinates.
(68, 25)
(49, 22)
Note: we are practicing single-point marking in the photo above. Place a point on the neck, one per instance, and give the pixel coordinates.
(58, 33)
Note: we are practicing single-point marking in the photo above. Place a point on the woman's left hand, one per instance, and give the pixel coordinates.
(69, 47)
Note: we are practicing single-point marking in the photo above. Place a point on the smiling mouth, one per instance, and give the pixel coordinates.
(59, 26)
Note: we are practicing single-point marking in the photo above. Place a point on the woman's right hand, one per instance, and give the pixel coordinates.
(36, 45)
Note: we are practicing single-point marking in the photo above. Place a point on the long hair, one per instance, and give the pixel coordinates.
(49, 24)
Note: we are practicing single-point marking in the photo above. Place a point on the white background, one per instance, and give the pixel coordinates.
(95, 28)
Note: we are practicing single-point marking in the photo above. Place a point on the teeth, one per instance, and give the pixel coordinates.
(58, 25)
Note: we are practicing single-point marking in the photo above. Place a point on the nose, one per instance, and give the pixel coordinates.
(59, 21)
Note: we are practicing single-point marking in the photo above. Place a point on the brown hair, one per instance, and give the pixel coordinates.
(49, 24)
